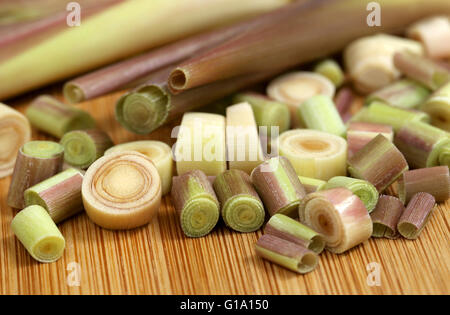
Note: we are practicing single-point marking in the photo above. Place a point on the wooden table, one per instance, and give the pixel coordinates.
(159, 259)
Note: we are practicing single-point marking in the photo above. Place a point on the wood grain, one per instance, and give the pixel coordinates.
(159, 259)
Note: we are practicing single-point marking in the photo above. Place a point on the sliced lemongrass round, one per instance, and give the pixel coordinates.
(314, 153)
(122, 190)
(160, 154)
(434, 33)
(438, 107)
(330, 69)
(385, 217)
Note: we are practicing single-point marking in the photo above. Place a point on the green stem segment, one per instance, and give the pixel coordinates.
(330, 69)
(385, 217)
(311, 184)
(438, 107)
(416, 215)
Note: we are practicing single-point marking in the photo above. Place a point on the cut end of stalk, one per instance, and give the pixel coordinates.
(178, 80)
(308, 263)
(73, 93)
(42, 149)
(317, 244)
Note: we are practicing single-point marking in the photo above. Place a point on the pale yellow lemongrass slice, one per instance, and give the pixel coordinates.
(434, 34)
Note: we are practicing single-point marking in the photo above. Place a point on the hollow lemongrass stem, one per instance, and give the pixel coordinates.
(55, 118)
(84, 147)
(416, 215)
(121, 191)
(60, 195)
(286, 254)
(157, 151)
(320, 113)
(434, 33)
(359, 134)
(242, 210)
(330, 69)
(344, 100)
(36, 230)
(314, 153)
(423, 145)
(438, 107)
(196, 203)
(15, 130)
(379, 162)
(36, 161)
(278, 186)
(311, 184)
(361, 188)
(268, 113)
(293, 231)
(385, 217)
(432, 180)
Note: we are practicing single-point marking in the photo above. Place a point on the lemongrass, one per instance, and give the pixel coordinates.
(344, 100)
(330, 69)
(438, 107)
(196, 203)
(36, 161)
(434, 33)
(15, 130)
(314, 153)
(416, 215)
(311, 184)
(385, 217)
(157, 151)
(359, 134)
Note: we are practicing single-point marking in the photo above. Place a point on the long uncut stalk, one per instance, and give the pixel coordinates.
(385, 217)
(434, 33)
(15, 131)
(438, 107)
(416, 215)
(311, 184)
(359, 134)
(121, 191)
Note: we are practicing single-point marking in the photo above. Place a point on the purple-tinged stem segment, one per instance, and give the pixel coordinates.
(344, 100)
(360, 133)
(385, 217)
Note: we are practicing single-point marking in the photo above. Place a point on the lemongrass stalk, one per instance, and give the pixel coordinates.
(15, 131)
(311, 184)
(268, 113)
(278, 186)
(385, 217)
(344, 100)
(157, 151)
(84, 147)
(196, 203)
(416, 215)
(60, 195)
(121, 191)
(330, 69)
(359, 134)
(339, 215)
(241, 208)
(320, 113)
(201, 144)
(36, 161)
(434, 33)
(36, 230)
(286, 254)
(438, 107)
(314, 153)
(432, 180)
(293, 231)
(379, 162)
(423, 145)
(53, 117)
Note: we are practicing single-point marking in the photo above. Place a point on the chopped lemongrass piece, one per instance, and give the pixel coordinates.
(201, 144)
(242, 210)
(286, 254)
(15, 131)
(432, 180)
(60, 195)
(314, 153)
(55, 118)
(434, 33)
(338, 215)
(320, 113)
(438, 107)
(361, 188)
(293, 231)
(423, 145)
(36, 230)
(122, 190)
(359, 134)
(403, 93)
(330, 69)
(344, 100)
(379, 162)
(196, 203)
(36, 161)
(157, 151)
(84, 147)
(278, 186)
(385, 217)
(296, 87)
(311, 184)
(416, 215)
(268, 113)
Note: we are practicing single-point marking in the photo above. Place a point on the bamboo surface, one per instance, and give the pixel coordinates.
(159, 259)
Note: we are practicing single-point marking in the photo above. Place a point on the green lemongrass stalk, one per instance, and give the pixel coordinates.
(293, 231)
(36, 161)
(278, 186)
(330, 69)
(241, 208)
(311, 184)
(360, 133)
(320, 113)
(15, 131)
(196, 203)
(438, 107)
(385, 217)
(84, 147)
(379, 163)
(60, 195)
(433, 33)
(36, 230)
(53, 117)
(361, 188)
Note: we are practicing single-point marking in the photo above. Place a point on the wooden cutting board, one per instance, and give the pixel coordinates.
(159, 259)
